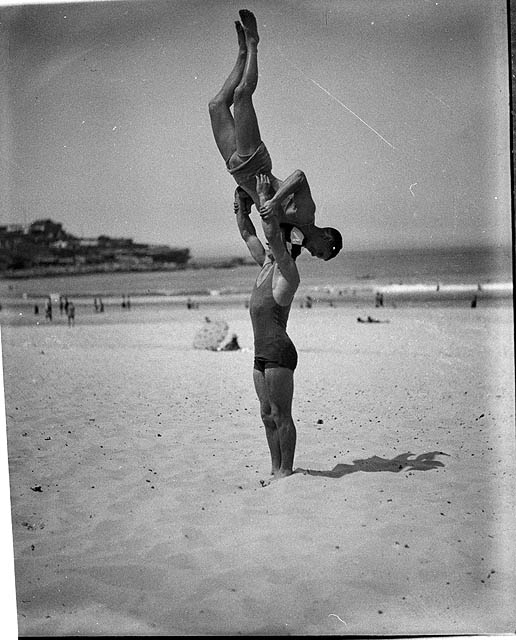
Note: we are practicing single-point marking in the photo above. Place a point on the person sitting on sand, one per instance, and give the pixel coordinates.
(232, 345)
(238, 139)
(275, 356)
(370, 320)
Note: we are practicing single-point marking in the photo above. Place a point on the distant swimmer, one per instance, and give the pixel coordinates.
(238, 139)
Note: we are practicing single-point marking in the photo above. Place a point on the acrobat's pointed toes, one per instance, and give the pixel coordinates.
(250, 26)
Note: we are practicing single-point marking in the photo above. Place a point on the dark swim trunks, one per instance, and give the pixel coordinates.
(272, 345)
(260, 364)
(245, 170)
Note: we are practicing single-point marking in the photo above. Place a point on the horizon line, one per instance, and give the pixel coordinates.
(227, 253)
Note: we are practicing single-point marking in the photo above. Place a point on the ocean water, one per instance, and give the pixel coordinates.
(349, 269)
(428, 266)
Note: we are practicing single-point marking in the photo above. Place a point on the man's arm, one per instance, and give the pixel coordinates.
(285, 289)
(248, 231)
(295, 183)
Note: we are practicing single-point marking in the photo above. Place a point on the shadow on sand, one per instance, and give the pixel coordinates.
(403, 462)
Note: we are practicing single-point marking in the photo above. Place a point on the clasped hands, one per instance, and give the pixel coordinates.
(263, 189)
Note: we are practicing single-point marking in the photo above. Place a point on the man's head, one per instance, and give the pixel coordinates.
(324, 243)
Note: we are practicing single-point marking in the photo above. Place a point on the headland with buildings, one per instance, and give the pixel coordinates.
(43, 248)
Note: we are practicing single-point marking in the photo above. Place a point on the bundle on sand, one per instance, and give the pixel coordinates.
(211, 335)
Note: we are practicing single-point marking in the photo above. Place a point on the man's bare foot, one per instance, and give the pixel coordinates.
(241, 36)
(282, 474)
(250, 26)
(275, 476)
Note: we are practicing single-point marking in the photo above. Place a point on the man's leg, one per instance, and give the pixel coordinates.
(247, 132)
(271, 431)
(222, 122)
(279, 382)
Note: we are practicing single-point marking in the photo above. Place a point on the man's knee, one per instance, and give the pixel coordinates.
(214, 105)
(243, 92)
(267, 418)
(279, 413)
(217, 104)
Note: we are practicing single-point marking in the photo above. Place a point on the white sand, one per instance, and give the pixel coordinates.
(151, 518)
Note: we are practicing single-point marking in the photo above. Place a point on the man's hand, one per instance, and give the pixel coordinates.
(263, 189)
(242, 203)
(263, 185)
(268, 209)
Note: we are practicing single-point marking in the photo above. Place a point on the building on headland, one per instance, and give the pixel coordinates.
(44, 247)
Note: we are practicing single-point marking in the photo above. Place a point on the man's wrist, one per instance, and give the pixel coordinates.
(266, 199)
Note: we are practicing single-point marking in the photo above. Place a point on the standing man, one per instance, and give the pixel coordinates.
(70, 313)
(275, 356)
(238, 139)
(48, 308)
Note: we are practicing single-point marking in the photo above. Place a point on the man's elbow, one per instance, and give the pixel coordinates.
(300, 176)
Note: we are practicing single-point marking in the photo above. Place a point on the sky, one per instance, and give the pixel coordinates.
(396, 110)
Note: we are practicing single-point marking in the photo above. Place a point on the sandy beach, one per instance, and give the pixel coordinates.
(137, 465)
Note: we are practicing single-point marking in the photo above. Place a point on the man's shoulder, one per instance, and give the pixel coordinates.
(298, 210)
